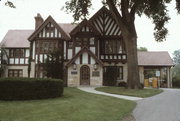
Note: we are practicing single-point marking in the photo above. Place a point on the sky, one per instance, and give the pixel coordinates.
(22, 17)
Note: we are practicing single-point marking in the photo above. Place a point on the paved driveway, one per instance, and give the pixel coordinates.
(162, 107)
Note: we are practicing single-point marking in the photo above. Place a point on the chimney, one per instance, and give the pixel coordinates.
(38, 20)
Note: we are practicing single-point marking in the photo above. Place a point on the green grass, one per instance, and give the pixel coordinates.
(75, 105)
(130, 92)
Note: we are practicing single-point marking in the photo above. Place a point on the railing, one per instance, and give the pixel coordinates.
(113, 57)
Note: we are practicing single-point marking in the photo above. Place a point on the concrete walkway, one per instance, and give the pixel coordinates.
(162, 107)
(92, 90)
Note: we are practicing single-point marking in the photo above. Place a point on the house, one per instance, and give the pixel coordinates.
(93, 51)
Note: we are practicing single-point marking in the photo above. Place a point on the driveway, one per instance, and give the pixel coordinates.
(162, 107)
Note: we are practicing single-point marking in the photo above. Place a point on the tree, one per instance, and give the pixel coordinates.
(142, 49)
(54, 64)
(176, 57)
(9, 4)
(3, 60)
(124, 12)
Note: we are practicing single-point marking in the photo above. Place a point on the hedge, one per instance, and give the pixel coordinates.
(176, 82)
(30, 88)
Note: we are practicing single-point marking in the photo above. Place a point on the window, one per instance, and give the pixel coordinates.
(15, 73)
(113, 46)
(70, 44)
(46, 47)
(16, 53)
(92, 41)
(50, 29)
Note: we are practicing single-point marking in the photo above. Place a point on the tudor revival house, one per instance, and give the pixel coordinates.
(93, 51)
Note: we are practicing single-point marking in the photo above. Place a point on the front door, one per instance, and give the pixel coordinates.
(110, 75)
(84, 75)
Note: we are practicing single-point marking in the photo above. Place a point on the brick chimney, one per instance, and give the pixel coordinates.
(38, 20)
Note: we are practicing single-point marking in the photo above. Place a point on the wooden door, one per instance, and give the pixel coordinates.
(84, 75)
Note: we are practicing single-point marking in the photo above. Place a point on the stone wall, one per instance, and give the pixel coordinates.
(24, 68)
(141, 74)
(73, 78)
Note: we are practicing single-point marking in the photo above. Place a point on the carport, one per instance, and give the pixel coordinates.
(155, 67)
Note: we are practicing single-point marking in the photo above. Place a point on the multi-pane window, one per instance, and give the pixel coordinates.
(16, 53)
(85, 41)
(113, 47)
(46, 46)
(70, 44)
(15, 73)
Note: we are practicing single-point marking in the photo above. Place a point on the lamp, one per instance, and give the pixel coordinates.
(95, 66)
(74, 66)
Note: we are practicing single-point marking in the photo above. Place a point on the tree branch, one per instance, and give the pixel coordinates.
(117, 16)
(134, 8)
(124, 9)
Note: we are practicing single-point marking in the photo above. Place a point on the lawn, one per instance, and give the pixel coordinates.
(75, 105)
(130, 92)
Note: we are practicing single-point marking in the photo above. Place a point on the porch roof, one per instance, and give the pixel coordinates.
(154, 58)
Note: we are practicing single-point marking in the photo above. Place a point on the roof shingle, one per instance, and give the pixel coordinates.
(156, 58)
(17, 39)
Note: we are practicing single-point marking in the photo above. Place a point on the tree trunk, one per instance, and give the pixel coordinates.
(133, 81)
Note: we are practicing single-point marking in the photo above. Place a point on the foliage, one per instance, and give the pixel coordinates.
(176, 57)
(29, 88)
(10, 4)
(176, 69)
(54, 64)
(75, 105)
(176, 82)
(142, 49)
(124, 12)
(176, 76)
(130, 92)
(122, 84)
(3, 62)
(154, 9)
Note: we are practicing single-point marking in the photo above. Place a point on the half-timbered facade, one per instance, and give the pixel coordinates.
(93, 51)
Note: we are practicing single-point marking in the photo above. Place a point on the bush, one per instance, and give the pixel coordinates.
(30, 88)
(122, 84)
(176, 82)
(142, 85)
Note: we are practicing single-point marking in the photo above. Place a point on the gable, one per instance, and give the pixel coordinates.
(49, 29)
(84, 52)
(85, 26)
(105, 23)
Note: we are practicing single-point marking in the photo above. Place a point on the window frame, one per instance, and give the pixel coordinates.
(13, 72)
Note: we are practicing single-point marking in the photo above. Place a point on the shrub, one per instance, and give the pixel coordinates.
(30, 88)
(122, 84)
(176, 82)
(142, 85)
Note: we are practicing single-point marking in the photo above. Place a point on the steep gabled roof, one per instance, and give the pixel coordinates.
(84, 49)
(86, 23)
(67, 27)
(105, 23)
(100, 12)
(40, 28)
(156, 58)
(17, 39)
